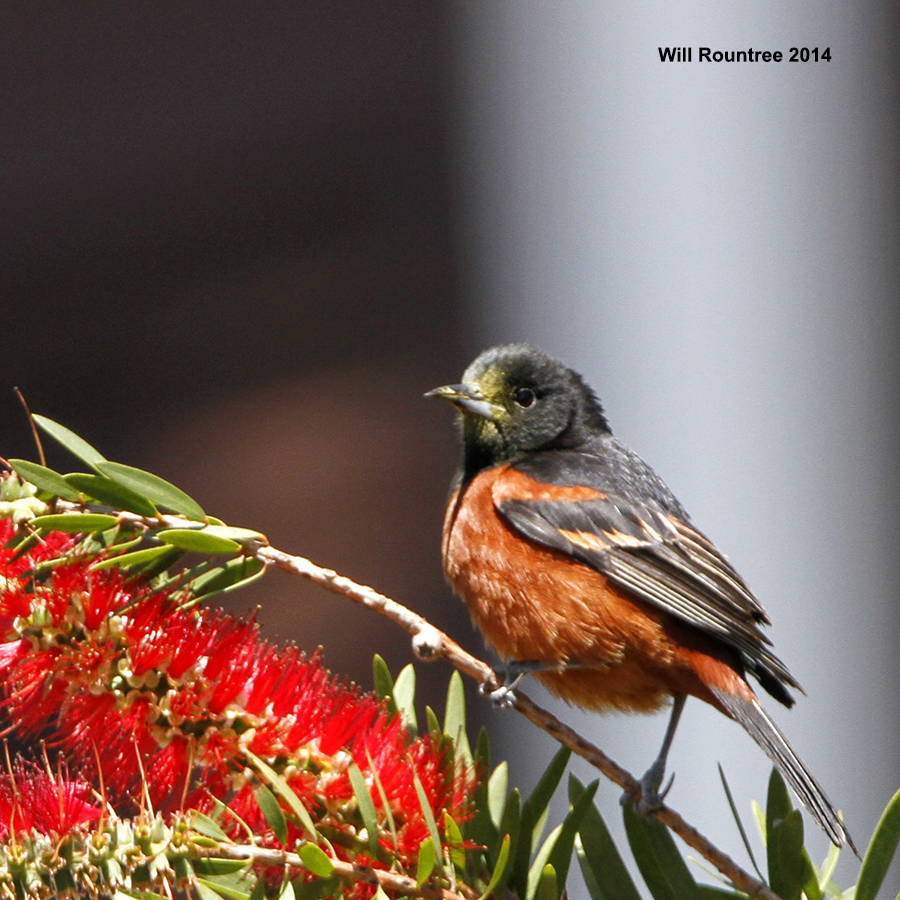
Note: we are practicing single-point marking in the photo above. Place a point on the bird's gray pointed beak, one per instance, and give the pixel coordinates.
(466, 397)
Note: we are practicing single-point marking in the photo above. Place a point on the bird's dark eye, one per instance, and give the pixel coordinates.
(524, 397)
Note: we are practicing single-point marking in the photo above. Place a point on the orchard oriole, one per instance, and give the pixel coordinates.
(579, 565)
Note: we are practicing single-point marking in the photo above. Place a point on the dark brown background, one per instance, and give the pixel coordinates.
(228, 256)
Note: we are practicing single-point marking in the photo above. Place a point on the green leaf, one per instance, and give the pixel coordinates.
(320, 889)
(45, 479)
(284, 791)
(534, 815)
(480, 829)
(538, 870)
(455, 718)
(366, 805)
(547, 887)
(880, 852)
(561, 854)
(511, 824)
(218, 889)
(790, 870)
(385, 805)
(316, 859)
(500, 869)
(137, 558)
(426, 810)
(498, 787)
(710, 892)
(75, 523)
(454, 840)
(661, 865)
(154, 488)
(738, 822)
(272, 812)
(209, 865)
(425, 862)
(233, 574)
(432, 722)
(75, 445)
(549, 781)
(787, 872)
(405, 696)
(601, 860)
(197, 540)
(105, 490)
(384, 683)
(207, 827)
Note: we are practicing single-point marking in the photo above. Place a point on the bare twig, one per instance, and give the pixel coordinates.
(390, 881)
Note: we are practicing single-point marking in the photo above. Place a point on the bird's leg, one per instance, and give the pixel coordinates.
(650, 797)
(515, 670)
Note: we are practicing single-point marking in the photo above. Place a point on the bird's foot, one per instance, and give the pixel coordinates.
(647, 797)
(510, 674)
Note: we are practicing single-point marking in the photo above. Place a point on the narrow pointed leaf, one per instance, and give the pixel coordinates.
(498, 786)
(454, 840)
(75, 523)
(211, 866)
(538, 868)
(208, 827)
(427, 812)
(198, 540)
(787, 874)
(601, 857)
(384, 683)
(220, 889)
(880, 852)
(425, 862)
(231, 575)
(366, 805)
(136, 558)
(561, 855)
(113, 494)
(45, 479)
(738, 822)
(320, 889)
(75, 445)
(661, 865)
(405, 697)
(432, 723)
(154, 488)
(499, 869)
(283, 789)
(385, 803)
(548, 885)
(480, 829)
(272, 812)
(455, 718)
(549, 782)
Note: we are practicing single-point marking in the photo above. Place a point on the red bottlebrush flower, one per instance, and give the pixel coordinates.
(169, 705)
(31, 798)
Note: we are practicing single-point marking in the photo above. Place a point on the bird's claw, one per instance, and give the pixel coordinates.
(503, 697)
(647, 797)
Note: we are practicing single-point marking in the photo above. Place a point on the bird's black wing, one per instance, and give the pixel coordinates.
(663, 560)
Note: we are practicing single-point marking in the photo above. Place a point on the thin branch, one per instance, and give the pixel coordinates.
(390, 881)
(429, 643)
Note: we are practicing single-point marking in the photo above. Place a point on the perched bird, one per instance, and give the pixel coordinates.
(578, 565)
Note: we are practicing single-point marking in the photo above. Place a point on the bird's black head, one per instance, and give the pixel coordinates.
(514, 399)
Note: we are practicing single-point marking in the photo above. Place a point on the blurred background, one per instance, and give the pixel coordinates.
(239, 241)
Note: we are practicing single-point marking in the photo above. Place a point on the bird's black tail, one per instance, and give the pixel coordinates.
(766, 733)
